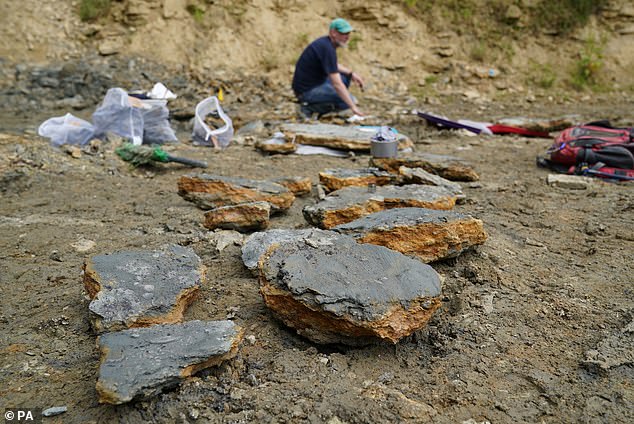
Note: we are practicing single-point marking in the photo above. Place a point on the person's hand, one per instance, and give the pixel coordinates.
(356, 110)
(356, 78)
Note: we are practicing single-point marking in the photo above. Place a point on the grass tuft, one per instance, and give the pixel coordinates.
(89, 10)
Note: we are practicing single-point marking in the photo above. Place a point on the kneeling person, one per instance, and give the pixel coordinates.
(319, 82)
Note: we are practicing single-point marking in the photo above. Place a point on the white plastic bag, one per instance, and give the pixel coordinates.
(120, 114)
(67, 129)
(202, 134)
(156, 126)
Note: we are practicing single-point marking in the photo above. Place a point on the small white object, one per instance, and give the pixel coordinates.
(355, 118)
(159, 91)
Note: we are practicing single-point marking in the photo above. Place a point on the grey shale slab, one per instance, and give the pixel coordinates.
(336, 290)
(140, 362)
(350, 203)
(141, 288)
(258, 243)
(429, 235)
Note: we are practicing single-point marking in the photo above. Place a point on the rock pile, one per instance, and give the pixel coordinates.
(151, 290)
(239, 203)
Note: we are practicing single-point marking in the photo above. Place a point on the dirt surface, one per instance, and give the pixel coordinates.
(533, 325)
(509, 344)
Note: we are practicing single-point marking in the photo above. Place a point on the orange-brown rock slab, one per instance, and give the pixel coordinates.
(299, 186)
(335, 179)
(210, 191)
(447, 167)
(426, 234)
(243, 217)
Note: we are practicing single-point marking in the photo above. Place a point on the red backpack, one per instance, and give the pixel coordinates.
(594, 149)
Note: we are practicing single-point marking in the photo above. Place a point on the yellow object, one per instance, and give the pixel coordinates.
(221, 97)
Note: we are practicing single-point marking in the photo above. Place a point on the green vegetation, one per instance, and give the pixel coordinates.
(486, 16)
(586, 72)
(89, 10)
(197, 12)
(542, 76)
(353, 43)
(565, 15)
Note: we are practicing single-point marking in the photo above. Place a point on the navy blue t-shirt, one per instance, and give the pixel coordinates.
(317, 61)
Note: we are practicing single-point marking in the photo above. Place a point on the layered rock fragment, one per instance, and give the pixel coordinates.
(258, 243)
(139, 363)
(426, 234)
(448, 167)
(244, 217)
(351, 203)
(299, 186)
(420, 176)
(336, 136)
(141, 288)
(335, 179)
(336, 290)
(213, 191)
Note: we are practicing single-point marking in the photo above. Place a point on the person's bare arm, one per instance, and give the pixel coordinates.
(354, 77)
(343, 93)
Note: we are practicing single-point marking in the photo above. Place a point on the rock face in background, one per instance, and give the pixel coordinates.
(139, 363)
(350, 203)
(448, 167)
(244, 217)
(426, 234)
(213, 191)
(141, 288)
(369, 293)
(334, 179)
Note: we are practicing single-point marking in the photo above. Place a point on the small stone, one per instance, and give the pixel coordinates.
(56, 410)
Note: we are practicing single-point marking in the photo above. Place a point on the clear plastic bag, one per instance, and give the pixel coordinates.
(67, 129)
(119, 114)
(202, 134)
(156, 126)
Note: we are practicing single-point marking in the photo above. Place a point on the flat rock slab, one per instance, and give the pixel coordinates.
(570, 182)
(213, 191)
(299, 186)
(426, 234)
(420, 176)
(139, 363)
(336, 136)
(244, 217)
(350, 203)
(335, 290)
(258, 243)
(141, 288)
(335, 179)
(448, 167)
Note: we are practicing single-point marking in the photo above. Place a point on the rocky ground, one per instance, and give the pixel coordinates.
(535, 325)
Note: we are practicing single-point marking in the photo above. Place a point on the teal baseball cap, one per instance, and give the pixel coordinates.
(341, 25)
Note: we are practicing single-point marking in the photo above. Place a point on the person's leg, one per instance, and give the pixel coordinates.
(325, 94)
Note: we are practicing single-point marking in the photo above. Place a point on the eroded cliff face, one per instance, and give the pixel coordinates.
(393, 46)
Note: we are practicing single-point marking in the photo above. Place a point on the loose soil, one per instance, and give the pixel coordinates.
(521, 315)
(508, 345)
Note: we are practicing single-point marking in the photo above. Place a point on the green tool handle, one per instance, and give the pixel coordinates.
(185, 161)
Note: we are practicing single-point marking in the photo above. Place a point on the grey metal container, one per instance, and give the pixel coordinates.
(384, 149)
